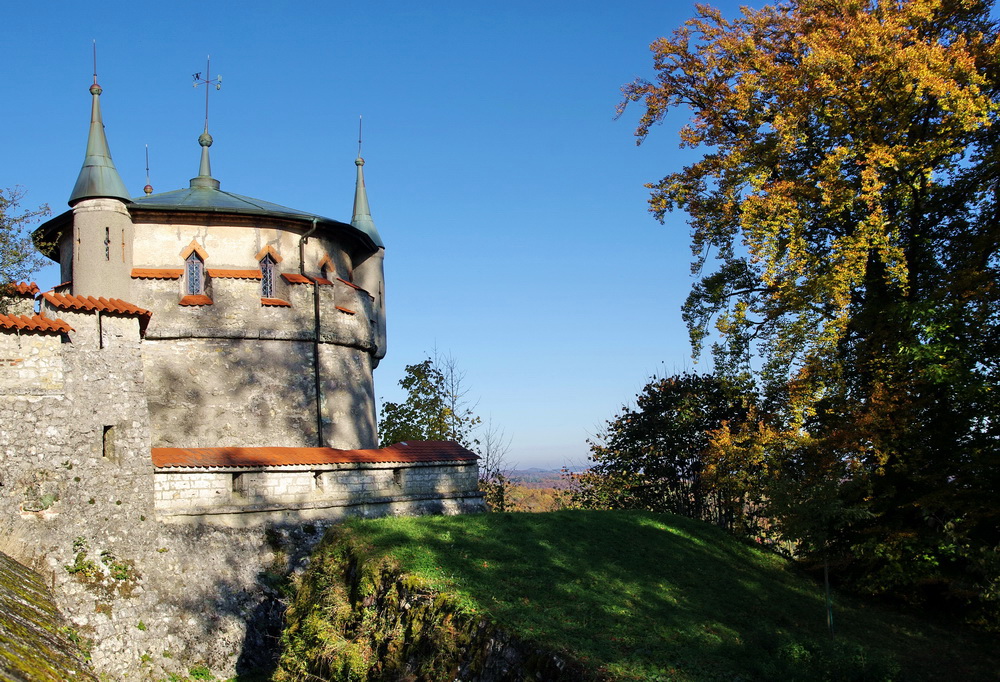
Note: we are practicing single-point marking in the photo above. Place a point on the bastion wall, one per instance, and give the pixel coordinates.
(161, 569)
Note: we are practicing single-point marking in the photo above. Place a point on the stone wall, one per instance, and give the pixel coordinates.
(257, 392)
(243, 496)
(76, 503)
(79, 503)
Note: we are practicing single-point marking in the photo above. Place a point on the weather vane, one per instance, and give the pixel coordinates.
(206, 81)
(148, 189)
(359, 136)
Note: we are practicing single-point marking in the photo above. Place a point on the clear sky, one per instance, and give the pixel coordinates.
(510, 200)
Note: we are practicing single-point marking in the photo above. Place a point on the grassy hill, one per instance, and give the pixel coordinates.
(620, 595)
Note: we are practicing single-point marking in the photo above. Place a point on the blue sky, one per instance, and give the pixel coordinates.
(510, 200)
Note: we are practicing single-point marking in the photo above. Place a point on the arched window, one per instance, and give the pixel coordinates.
(267, 276)
(194, 274)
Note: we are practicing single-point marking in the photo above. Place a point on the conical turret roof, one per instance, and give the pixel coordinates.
(98, 177)
(362, 218)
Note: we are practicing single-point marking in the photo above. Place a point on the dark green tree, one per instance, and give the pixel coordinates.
(437, 407)
(653, 456)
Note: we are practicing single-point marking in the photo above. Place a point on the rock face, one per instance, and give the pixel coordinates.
(35, 643)
(357, 617)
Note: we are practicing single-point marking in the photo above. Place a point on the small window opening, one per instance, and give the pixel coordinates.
(108, 444)
(319, 481)
(107, 243)
(239, 485)
(194, 269)
(267, 272)
(397, 477)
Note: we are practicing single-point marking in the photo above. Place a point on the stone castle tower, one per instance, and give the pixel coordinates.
(196, 393)
(229, 343)
(265, 322)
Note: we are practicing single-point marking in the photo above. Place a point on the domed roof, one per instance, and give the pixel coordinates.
(202, 199)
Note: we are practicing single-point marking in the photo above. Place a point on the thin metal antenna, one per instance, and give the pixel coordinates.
(206, 81)
(359, 136)
(95, 61)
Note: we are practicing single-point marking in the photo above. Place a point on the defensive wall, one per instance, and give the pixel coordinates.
(162, 557)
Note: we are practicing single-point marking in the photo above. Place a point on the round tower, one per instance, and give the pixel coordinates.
(100, 243)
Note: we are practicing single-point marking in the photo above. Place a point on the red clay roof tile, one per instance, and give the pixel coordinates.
(91, 304)
(195, 299)
(350, 284)
(34, 323)
(414, 451)
(295, 278)
(19, 289)
(157, 273)
(275, 302)
(233, 274)
(322, 280)
(345, 310)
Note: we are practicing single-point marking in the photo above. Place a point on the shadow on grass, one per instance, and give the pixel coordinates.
(650, 596)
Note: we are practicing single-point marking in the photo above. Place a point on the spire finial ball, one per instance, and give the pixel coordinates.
(205, 140)
(359, 161)
(95, 89)
(148, 189)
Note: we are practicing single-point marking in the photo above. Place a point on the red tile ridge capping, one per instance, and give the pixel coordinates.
(34, 323)
(195, 299)
(295, 278)
(409, 452)
(350, 284)
(275, 302)
(345, 310)
(19, 289)
(157, 273)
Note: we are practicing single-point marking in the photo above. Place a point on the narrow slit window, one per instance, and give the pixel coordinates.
(107, 243)
(267, 273)
(194, 269)
(108, 443)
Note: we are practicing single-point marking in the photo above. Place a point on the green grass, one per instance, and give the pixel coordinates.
(660, 597)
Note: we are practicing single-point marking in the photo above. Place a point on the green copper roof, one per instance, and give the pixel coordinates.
(98, 177)
(210, 199)
(362, 219)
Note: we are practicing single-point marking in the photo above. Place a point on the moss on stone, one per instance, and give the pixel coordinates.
(357, 616)
(35, 643)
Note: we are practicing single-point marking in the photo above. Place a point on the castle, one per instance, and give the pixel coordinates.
(257, 329)
(199, 384)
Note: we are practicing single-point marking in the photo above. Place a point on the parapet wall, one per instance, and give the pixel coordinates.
(241, 496)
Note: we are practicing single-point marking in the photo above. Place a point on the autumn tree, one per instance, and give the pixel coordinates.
(845, 219)
(19, 259)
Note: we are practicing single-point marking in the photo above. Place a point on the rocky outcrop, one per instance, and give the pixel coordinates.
(36, 645)
(359, 617)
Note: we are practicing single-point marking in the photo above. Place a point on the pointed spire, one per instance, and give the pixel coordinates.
(362, 218)
(205, 178)
(98, 177)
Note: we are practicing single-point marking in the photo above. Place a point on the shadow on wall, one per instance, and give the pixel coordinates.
(249, 392)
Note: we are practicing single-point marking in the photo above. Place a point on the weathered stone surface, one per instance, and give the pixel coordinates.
(35, 641)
